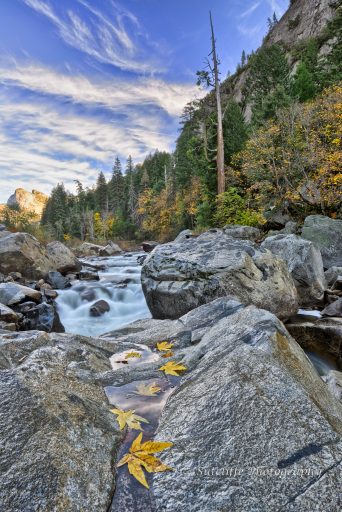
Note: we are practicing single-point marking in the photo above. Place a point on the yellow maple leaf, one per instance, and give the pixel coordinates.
(167, 354)
(128, 418)
(172, 368)
(148, 389)
(132, 354)
(140, 456)
(164, 346)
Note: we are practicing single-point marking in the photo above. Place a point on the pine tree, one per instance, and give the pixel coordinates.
(101, 193)
(117, 188)
(243, 58)
(303, 85)
(130, 189)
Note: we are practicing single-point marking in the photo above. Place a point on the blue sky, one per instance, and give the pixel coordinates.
(82, 81)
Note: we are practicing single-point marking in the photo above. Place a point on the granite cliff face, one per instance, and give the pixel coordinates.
(31, 201)
(303, 19)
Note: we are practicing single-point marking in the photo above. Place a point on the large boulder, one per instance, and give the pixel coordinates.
(178, 277)
(42, 317)
(57, 280)
(14, 293)
(111, 249)
(21, 252)
(58, 438)
(326, 234)
(62, 258)
(305, 263)
(89, 249)
(242, 232)
(252, 424)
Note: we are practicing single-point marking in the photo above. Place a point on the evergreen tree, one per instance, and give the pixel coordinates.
(101, 193)
(234, 129)
(117, 189)
(303, 86)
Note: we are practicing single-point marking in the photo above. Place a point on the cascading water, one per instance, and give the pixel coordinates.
(119, 285)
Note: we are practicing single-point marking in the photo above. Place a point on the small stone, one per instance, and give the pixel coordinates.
(99, 308)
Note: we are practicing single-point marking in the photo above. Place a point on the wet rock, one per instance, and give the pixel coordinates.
(334, 309)
(334, 382)
(149, 246)
(7, 314)
(55, 420)
(88, 275)
(61, 258)
(2, 277)
(141, 259)
(326, 234)
(250, 422)
(242, 232)
(57, 280)
(88, 294)
(2, 227)
(110, 250)
(305, 263)
(13, 293)
(42, 317)
(99, 308)
(318, 335)
(178, 277)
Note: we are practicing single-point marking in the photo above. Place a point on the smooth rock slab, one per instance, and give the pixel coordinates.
(58, 438)
(178, 277)
(254, 427)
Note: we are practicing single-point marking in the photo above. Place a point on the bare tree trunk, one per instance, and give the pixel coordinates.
(220, 143)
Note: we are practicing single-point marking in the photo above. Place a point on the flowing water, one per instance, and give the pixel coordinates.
(119, 285)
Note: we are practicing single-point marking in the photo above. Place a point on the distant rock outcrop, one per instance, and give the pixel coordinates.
(30, 201)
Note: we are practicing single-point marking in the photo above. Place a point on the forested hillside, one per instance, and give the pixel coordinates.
(282, 124)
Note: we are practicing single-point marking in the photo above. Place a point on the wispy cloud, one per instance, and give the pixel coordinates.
(250, 10)
(278, 6)
(58, 127)
(113, 93)
(105, 40)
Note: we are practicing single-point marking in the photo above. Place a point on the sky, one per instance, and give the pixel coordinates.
(84, 81)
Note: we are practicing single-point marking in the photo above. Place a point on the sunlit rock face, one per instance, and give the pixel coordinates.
(34, 201)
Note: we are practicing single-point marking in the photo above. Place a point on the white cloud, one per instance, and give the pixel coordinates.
(113, 94)
(106, 40)
(278, 6)
(250, 10)
(72, 126)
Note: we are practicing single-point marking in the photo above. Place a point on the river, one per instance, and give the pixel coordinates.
(119, 285)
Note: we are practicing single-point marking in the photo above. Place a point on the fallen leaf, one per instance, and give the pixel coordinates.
(172, 368)
(167, 354)
(148, 389)
(128, 418)
(140, 456)
(133, 354)
(164, 346)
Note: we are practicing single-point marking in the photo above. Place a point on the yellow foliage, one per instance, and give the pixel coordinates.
(140, 456)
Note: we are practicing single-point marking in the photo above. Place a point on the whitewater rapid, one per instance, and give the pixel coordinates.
(119, 285)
